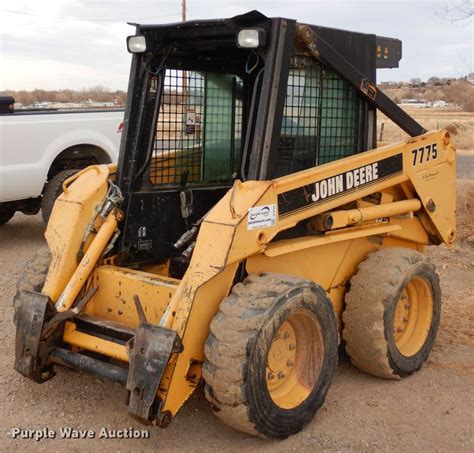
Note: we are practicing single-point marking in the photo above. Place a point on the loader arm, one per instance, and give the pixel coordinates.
(422, 168)
(167, 320)
(242, 229)
(313, 43)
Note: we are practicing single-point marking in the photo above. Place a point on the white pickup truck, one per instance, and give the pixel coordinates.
(40, 149)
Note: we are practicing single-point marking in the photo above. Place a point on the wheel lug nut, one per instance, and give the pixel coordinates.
(286, 335)
(405, 319)
(292, 347)
(399, 330)
(270, 376)
(289, 363)
(280, 375)
(407, 306)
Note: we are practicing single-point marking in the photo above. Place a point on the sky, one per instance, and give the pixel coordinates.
(58, 44)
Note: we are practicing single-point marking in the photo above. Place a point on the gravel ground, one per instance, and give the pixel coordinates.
(465, 166)
(431, 410)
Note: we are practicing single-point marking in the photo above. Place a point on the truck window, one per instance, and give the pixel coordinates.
(320, 119)
(199, 128)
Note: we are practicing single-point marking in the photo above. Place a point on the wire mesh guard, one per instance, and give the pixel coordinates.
(320, 120)
(199, 128)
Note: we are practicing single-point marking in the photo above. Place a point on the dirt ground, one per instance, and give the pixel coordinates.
(431, 410)
(459, 124)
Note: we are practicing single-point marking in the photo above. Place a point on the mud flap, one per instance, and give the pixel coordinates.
(149, 353)
(31, 352)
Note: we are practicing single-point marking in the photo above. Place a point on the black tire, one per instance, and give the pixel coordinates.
(381, 297)
(237, 353)
(32, 278)
(53, 189)
(6, 215)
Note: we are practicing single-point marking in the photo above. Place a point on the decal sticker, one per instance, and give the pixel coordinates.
(262, 216)
(154, 85)
(424, 154)
(190, 121)
(338, 185)
(142, 232)
(369, 89)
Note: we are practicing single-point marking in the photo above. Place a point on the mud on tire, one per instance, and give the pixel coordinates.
(392, 313)
(237, 350)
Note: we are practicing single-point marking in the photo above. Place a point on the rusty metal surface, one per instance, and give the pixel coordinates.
(58, 318)
(150, 351)
(30, 352)
(89, 365)
(104, 327)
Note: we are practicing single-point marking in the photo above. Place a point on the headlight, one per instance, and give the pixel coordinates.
(251, 38)
(136, 44)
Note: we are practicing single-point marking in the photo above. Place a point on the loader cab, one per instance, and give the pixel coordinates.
(212, 102)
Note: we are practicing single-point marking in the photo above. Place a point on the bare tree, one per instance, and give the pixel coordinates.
(457, 10)
(434, 81)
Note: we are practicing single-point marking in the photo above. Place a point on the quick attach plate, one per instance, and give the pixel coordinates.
(149, 353)
(31, 352)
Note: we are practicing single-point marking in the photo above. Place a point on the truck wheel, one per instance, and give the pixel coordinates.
(392, 313)
(32, 278)
(6, 214)
(53, 189)
(270, 355)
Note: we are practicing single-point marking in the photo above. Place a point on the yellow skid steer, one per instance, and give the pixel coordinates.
(250, 226)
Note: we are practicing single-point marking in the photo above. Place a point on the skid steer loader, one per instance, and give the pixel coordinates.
(251, 225)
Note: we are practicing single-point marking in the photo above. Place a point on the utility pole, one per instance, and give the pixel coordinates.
(183, 10)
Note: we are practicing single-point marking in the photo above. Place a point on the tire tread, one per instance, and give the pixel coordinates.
(377, 280)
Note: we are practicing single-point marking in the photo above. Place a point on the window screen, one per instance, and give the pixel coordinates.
(320, 119)
(199, 128)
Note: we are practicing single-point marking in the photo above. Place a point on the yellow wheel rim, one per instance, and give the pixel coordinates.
(413, 316)
(294, 360)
